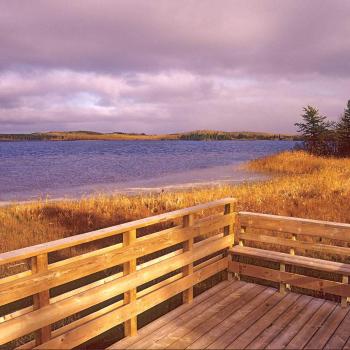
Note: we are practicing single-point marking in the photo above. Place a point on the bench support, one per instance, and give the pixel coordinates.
(344, 300)
(283, 286)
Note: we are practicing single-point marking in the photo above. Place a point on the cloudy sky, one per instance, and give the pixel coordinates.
(168, 66)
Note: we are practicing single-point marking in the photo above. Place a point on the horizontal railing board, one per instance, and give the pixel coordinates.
(35, 283)
(322, 248)
(10, 278)
(318, 228)
(103, 281)
(296, 280)
(63, 243)
(54, 277)
(102, 324)
(54, 312)
(215, 222)
(297, 260)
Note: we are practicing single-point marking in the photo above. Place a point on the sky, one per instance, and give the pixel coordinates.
(166, 66)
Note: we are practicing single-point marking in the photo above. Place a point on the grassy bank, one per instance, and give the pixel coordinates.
(304, 186)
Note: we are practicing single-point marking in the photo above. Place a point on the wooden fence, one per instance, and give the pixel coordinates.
(153, 267)
(158, 258)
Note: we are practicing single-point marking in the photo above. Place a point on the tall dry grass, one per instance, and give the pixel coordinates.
(302, 186)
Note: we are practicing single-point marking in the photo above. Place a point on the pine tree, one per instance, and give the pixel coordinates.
(316, 132)
(343, 132)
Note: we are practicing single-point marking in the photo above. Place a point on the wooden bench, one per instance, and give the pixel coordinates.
(296, 260)
(264, 230)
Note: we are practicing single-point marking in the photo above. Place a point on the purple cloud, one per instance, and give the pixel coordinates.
(165, 66)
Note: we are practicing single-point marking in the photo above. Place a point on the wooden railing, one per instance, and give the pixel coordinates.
(310, 254)
(42, 306)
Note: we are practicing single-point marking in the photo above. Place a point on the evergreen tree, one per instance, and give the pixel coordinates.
(316, 132)
(343, 132)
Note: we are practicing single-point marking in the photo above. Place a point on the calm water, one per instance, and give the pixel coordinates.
(58, 169)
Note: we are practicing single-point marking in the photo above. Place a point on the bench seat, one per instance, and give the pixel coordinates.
(296, 260)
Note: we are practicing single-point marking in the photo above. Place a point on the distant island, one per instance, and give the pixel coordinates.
(198, 135)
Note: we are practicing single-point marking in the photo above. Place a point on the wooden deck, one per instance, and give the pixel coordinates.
(238, 315)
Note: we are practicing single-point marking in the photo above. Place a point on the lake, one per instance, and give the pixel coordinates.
(29, 170)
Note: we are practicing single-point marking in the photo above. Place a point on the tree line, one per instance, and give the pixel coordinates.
(323, 137)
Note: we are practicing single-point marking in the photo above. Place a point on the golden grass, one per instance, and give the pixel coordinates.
(307, 186)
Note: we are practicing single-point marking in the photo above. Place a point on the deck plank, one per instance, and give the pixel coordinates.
(264, 322)
(246, 322)
(280, 323)
(347, 345)
(216, 332)
(288, 333)
(208, 324)
(175, 337)
(323, 334)
(341, 335)
(311, 327)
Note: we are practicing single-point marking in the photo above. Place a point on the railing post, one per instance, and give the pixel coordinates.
(291, 252)
(243, 229)
(344, 300)
(130, 326)
(187, 295)
(39, 264)
(283, 286)
(237, 240)
(229, 230)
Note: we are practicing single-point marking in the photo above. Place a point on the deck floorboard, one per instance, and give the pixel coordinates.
(242, 315)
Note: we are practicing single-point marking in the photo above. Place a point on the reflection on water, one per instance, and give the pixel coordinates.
(73, 168)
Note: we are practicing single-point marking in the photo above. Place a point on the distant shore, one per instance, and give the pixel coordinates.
(199, 135)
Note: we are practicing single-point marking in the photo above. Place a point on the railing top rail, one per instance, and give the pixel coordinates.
(253, 215)
(59, 244)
